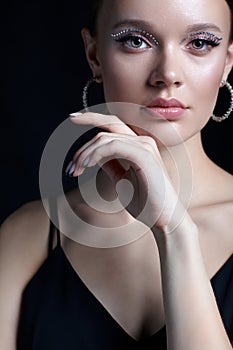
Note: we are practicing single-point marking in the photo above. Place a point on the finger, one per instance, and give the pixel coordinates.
(101, 152)
(101, 137)
(109, 123)
(104, 139)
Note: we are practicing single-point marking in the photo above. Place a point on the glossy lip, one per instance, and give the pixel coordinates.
(170, 109)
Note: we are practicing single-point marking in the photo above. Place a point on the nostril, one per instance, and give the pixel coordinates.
(160, 83)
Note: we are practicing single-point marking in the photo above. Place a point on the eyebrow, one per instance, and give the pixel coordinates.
(206, 26)
(134, 23)
(146, 25)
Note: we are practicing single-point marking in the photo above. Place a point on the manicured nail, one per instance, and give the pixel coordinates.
(72, 169)
(68, 167)
(73, 115)
(86, 161)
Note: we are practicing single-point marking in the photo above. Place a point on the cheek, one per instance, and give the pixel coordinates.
(204, 82)
(124, 79)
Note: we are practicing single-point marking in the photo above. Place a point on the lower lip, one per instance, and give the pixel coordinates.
(169, 113)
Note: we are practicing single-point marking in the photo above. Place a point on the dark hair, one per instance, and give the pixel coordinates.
(96, 6)
(230, 4)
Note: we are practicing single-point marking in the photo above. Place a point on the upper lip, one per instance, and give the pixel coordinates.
(161, 102)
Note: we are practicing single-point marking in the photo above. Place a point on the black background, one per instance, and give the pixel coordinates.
(44, 70)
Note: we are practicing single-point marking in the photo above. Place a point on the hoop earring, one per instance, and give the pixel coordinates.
(230, 109)
(85, 90)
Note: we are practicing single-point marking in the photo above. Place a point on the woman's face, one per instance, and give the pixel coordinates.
(165, 49)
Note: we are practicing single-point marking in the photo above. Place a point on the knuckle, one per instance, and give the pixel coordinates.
(148, 147)
(149, 140)
(113, 146)
(149, 143)
(115, 142)
(101, 135)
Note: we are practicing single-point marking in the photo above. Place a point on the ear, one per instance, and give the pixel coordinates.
(91, 53)
(229, 61)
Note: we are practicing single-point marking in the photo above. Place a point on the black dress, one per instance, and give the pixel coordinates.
(60, 313)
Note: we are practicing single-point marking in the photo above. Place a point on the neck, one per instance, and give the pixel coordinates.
(178, 158)
(185, 164)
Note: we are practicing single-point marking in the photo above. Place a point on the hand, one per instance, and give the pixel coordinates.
(154, 198)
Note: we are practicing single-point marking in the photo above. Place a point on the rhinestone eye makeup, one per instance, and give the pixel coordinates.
(124, 32)
(206, 35)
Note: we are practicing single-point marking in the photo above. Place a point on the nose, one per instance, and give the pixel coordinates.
(167, 71)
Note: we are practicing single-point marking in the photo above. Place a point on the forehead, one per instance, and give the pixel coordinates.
(167, 14)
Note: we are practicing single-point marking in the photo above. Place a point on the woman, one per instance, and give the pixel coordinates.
(169, 58)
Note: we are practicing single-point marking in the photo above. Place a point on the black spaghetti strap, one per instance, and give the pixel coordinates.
(58, 237)
(51, 231)
(52, 227)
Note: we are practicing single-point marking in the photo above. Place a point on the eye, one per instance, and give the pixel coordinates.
(198, 44)
(202, 42)
(202, 46)
(134, 42)
(135, 39)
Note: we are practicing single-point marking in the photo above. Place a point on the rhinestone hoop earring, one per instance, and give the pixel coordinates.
(230, 109)
(85, 90)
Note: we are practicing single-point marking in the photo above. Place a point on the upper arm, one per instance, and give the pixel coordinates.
(23, 248)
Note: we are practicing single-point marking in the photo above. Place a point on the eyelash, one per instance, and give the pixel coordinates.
(129, 38)
(209, 39)
(126, 35)
(132, 33)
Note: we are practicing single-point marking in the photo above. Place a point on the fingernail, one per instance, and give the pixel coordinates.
(73, 115)
(86, 161)
(72, 169)
(68, 167)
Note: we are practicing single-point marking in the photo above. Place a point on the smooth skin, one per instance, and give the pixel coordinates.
(163, 277)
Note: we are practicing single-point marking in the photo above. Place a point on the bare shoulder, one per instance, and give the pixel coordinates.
(25, 215)
(26, 222)
(23, 248)
(24, 237)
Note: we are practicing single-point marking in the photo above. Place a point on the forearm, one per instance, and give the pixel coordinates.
(192, 318)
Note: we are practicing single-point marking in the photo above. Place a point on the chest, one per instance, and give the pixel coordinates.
(126, 281)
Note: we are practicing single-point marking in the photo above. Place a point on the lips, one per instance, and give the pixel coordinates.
(169, 109)
(160, 102)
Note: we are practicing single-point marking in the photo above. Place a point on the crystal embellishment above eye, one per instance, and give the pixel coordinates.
(206, 35)
(135, 30)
